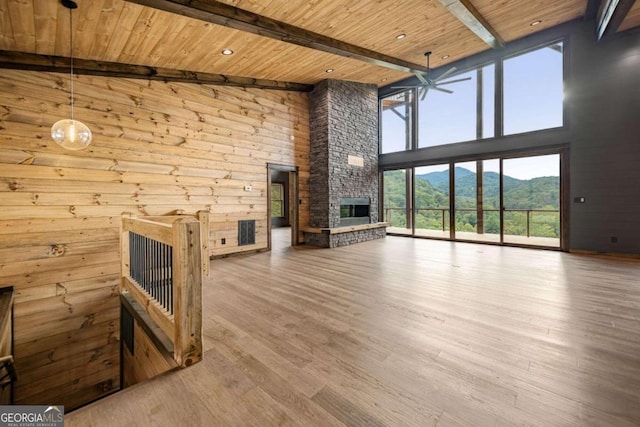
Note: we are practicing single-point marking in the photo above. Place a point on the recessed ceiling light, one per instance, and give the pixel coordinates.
(384, 80)
(329, 70)
(401, 36)
(534, 23)
(444, 57)
(227, 52)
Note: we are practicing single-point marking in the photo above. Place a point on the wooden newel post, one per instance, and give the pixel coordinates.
(124, 251)
(203, 217)
(187, 277)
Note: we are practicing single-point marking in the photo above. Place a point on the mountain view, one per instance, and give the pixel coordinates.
(432, 197)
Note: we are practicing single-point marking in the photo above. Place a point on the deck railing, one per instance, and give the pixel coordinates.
(445, 215)
(162, 270)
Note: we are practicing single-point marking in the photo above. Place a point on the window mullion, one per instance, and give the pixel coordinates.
(499, 100)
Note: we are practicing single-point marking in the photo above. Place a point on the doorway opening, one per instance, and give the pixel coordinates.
(282, 205)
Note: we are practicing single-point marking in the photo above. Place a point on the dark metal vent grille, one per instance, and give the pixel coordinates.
(126, 328)
(247, 232)
(152, 268)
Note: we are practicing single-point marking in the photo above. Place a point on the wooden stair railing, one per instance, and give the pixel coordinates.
(162, 270)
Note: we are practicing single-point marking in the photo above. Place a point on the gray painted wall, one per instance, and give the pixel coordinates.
(604, 114)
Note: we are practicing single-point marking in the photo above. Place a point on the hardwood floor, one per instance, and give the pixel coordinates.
(404, 332)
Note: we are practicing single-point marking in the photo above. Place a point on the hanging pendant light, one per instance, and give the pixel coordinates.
(70, 133)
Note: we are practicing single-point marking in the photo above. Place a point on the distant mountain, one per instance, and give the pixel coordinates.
(440, 180)
(518, 194)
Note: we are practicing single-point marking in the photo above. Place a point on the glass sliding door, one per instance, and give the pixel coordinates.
(478, 201)
(532, 200)
(396, 201)
(505, 200)
(431, 201)
(466, 201)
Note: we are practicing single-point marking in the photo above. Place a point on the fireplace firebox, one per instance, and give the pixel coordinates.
(354, 211)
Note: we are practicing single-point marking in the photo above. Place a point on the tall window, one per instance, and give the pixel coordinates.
(466, 114)
(277, 200)
(488, 102)
(533, 90)
(395, 118)
(444, 118)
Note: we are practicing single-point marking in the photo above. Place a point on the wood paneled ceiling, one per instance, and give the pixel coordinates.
(125, 32)
(633, 18)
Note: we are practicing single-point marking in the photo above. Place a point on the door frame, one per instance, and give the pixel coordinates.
(293, 200)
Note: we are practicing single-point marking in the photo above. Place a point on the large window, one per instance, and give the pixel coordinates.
(444, 118)
(395, 117)
(478, 190)
(463, 107)
(488, 102)
(533, 90)
(466, 114)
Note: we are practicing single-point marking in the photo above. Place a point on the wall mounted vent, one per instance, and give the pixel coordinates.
(246, 232)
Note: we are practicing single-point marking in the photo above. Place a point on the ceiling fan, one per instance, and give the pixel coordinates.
(427, 83)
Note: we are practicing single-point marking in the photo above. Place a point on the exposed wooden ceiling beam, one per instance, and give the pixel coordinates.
(35, 62)
(473, 20)
(610, 16)
(228, 16)
(591, 11)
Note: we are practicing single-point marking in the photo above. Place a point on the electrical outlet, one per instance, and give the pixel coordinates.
(614, 239)
(247, 188)
(223, 241)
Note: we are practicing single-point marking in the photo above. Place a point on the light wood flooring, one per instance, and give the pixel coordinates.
(404, 332)
(547, 242)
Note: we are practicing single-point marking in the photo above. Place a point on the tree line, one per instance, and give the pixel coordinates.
(432, 198)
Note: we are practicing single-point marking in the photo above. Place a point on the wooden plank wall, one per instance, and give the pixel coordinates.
(158, 147)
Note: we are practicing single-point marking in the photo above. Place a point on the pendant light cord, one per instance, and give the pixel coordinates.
(71, 57)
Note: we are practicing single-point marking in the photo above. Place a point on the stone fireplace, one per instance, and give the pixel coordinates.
(344, 182)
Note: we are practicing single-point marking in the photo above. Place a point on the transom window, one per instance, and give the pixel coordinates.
(466, 114)
(533, 90)
(396, 119)
(529, 87)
